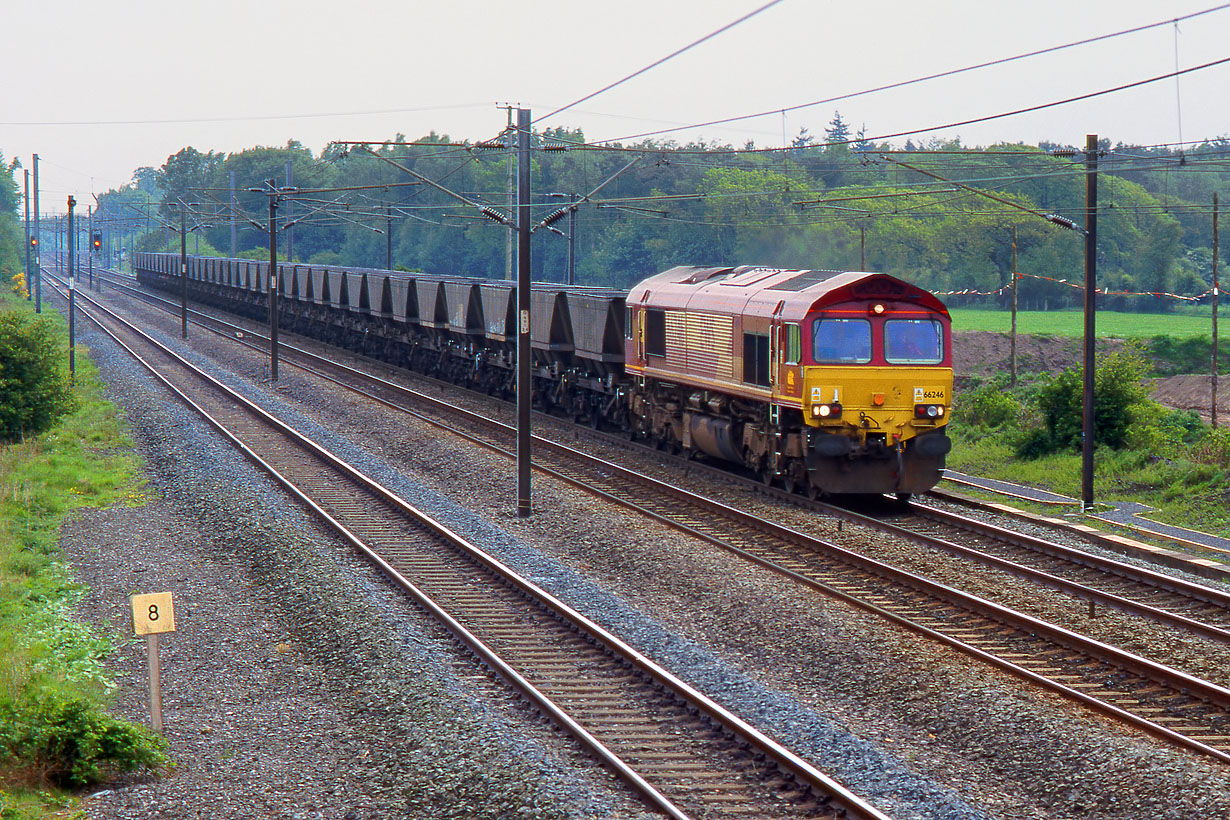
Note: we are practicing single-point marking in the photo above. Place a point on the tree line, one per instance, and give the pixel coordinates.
(842, 202)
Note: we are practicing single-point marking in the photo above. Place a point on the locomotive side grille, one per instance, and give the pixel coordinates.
(700, 344)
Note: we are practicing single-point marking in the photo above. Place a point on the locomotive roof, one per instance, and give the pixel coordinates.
(765, 291)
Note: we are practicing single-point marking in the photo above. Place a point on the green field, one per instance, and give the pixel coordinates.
(1071, 323)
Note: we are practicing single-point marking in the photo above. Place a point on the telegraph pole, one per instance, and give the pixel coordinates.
(388, 232)
(572, 240)
(38, 264)
(509, 244)
(90, 215)
(1012, 354)
(29, 290)
(183, 268)
(290, 210)
(1213, 403)
(524, 382)
(72, 294)
(234, 219)
(273, 281)
(1091, 296)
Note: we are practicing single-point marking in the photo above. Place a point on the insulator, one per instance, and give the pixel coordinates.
(555, 216)
(557, 146)
(494, 215)
(489, 145)
(1062, 220)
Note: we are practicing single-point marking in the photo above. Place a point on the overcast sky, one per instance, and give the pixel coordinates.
(99, 88)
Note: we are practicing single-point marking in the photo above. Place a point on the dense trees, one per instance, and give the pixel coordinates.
(34, 387)
(12, 241)
(815, 205)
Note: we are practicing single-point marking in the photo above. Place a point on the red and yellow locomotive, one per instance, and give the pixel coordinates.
(837, 382)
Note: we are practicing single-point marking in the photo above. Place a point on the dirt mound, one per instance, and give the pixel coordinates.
(983, 355)
(1193, 392)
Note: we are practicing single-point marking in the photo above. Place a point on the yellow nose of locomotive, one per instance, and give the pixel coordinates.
(894, 402)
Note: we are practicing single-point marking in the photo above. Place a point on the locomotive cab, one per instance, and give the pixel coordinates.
(877, 382)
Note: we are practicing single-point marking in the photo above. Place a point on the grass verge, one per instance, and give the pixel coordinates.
(55, 732)
(1184, 481)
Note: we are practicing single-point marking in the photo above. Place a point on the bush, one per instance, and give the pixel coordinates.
(1213, 448)
(1119, 393)
(987, 406)
(69, 742)
(34, 387)
(1033, 444)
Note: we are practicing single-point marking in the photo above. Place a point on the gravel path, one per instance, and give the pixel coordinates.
(926, 734)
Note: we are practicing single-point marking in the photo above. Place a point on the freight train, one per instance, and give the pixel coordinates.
(825, 382)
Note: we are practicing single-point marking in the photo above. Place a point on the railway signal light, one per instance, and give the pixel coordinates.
(34, 242)
(97, 240)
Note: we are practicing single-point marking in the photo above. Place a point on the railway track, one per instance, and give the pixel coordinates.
(681, 751)
(1165, 702)
(1198, 608)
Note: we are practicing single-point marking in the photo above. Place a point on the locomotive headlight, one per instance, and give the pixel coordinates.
(876, 310)
(826, 411)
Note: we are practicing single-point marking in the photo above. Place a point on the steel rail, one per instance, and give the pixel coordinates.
(1074, 588)
(1109, 566)
(805, 772)
(1131, 572)
(1214, 569)
(1157, 672)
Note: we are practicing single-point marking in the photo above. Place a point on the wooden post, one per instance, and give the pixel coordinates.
(151, 615)
(1091, 308)
(1213, 381)
(155, 683)
(1015, 278)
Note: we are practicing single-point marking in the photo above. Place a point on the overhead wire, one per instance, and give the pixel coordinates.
(929, 77)
(659, 62)
(603, 144)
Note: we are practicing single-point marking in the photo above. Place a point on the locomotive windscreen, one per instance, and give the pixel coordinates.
(913, 341)
(841, 341)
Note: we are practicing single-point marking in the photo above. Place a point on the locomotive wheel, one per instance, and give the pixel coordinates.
(814, 492)
(790, 484)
